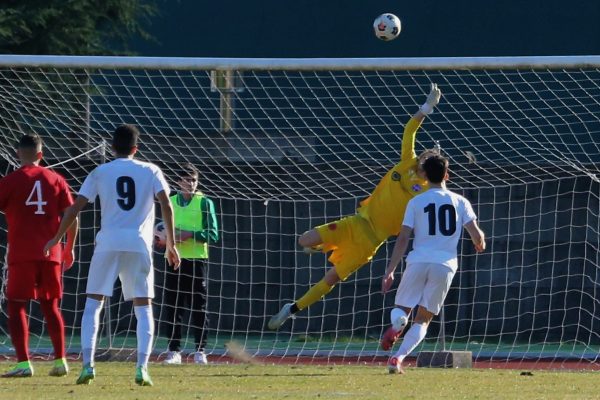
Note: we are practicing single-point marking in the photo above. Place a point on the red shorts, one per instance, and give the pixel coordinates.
(34, 280)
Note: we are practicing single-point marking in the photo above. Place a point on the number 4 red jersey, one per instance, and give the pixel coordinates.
(33, 199)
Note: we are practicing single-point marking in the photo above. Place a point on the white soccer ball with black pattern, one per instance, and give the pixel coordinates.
(159, 232)
(387, 27)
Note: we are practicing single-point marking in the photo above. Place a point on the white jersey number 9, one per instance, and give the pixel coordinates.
(126, 192)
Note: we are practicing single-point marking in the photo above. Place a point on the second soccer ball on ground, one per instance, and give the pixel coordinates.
(387, 27)
(160, 235)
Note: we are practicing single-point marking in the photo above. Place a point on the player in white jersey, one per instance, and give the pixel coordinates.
(127, 189)
(436, 217)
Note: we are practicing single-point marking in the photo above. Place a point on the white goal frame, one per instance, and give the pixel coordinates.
(294, 65)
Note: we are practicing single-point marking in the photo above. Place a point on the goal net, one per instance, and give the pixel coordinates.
(285, 145)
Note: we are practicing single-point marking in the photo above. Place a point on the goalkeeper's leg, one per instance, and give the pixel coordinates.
(314, 294)
(352, 244)
(337, 236)
(317, 291)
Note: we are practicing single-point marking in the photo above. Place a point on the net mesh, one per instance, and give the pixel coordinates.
(281, 151)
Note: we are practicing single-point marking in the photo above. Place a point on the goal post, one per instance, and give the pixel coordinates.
(283, 145)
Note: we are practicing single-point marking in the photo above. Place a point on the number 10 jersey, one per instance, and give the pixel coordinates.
(437, 217)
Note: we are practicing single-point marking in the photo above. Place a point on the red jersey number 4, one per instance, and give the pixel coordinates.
(36, 198)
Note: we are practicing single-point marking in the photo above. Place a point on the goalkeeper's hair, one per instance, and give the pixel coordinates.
(436, 168)
(435, 151)
(30, 141)
(125, 139)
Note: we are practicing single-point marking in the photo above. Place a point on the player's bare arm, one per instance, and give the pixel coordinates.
(68, 219)
(477, 236)
(69, 250)
(167, 214)
(397, 254)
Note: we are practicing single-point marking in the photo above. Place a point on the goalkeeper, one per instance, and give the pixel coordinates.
(354, 240)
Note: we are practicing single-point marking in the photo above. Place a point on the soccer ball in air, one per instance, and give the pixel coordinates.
(387, 27)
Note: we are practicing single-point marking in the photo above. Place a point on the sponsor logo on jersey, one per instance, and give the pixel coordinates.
(395, 176)
(417, 188)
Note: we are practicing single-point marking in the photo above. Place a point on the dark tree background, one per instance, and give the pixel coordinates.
(81, 27)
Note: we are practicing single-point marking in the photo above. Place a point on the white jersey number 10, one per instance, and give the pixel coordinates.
(446, 218)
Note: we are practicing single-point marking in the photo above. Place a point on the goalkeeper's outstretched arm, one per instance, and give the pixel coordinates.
(410, 130)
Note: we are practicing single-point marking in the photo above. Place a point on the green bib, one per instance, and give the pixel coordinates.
(189, 218)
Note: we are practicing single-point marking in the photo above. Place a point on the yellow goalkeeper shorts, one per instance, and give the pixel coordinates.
(351, 241)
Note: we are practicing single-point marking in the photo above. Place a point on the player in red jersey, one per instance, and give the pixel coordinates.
(33, 199)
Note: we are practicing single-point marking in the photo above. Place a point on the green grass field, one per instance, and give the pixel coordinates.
(285, 343)
(243, 381)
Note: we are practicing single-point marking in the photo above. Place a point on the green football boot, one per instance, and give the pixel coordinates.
(60, 368)
(87, 375)
(23, 369)
(142, 377)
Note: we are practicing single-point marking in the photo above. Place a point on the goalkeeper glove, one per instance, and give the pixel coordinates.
(433, 98)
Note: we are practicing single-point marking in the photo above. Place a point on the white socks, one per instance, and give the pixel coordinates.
(412, 338)
(145, 333)
(90, 322)
(398, 318)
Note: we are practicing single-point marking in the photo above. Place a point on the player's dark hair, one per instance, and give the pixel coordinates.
(435, 168)
(125, 139)
(30, 141)
(189, 170)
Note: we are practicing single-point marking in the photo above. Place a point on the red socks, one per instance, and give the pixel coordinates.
(55, 324)
(18, 329)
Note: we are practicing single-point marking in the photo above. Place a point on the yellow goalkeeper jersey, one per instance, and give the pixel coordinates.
(385, 207)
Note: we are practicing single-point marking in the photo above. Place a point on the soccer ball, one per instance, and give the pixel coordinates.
(159, 232)
(387, 27)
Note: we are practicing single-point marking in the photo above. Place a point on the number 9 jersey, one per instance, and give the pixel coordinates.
(126, 188)
(437, 217)
(33, 199)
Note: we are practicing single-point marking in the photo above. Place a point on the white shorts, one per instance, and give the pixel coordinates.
(424, 284)
(133, 269)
